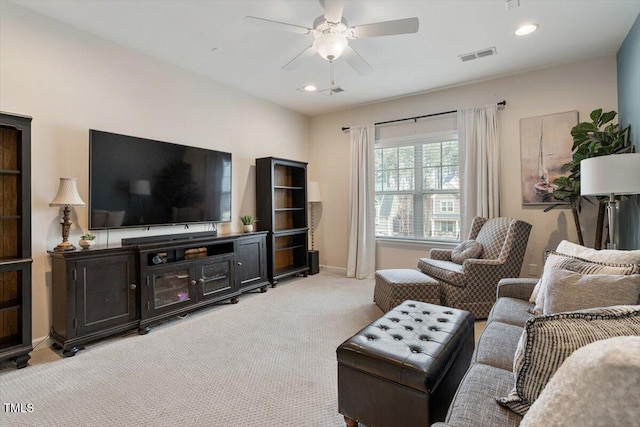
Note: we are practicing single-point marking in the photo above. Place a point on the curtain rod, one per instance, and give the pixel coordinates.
(500, 104)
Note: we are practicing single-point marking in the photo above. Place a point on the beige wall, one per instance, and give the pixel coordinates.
(70, 82)
(583, 87)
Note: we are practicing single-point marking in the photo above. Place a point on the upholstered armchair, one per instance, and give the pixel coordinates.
(470, 284)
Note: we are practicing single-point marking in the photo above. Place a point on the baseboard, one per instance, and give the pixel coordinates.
(42, 342)
(331, 269)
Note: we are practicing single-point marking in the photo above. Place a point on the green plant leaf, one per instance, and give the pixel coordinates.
(607, 117)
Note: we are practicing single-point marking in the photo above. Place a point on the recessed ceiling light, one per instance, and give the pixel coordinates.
(309, 88)
(526, 29)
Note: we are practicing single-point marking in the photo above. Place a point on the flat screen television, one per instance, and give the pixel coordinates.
(138, 182)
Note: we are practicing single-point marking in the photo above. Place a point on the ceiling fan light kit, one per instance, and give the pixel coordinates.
(330, 45)
(332, 34)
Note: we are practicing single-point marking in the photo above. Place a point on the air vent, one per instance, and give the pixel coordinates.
(479, 54)
(331, 91)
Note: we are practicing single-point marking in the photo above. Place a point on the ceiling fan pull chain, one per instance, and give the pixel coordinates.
(331, 79)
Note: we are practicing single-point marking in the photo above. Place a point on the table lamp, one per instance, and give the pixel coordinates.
(67, 196)
(612, 175)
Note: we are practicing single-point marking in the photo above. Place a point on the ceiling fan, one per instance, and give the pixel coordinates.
(332, 33)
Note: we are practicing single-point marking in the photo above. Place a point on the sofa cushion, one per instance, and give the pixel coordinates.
(568, 291)
(466, 250)
(497, 345)
(474, 403)
(548, 340)
(513, 311)
(447, 271)
(607, 373)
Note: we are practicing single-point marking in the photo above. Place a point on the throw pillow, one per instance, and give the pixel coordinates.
(466, 250)
(578, 265)
(547, 341)
(566, 290)
(605, 255)
(597, 385)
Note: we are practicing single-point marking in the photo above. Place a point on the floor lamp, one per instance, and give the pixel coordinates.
(313, 197)
(612, 175)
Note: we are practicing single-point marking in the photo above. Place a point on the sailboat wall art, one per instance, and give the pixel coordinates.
(545, 145)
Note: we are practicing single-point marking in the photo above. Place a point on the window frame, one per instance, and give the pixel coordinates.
(418, 192)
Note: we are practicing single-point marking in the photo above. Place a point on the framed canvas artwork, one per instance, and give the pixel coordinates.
(545, 145)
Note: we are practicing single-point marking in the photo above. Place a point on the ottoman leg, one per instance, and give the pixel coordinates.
(350, 422)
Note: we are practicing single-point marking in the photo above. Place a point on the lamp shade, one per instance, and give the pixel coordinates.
(67, 194)
(613, 174)
(313, 192)
(141, 187)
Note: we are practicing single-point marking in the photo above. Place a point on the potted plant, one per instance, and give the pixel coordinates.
(86, 240)
(247, 223)
(590, 139)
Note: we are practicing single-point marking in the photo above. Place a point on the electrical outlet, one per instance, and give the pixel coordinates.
(533, 270)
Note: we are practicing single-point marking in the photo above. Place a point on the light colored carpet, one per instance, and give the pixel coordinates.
(267, 361)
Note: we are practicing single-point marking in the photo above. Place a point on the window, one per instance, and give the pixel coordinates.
(417, 187)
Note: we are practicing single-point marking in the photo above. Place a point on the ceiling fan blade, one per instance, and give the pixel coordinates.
(356, 61)
(268, 23)
(386, 28)
(295, 62)
(333, 10)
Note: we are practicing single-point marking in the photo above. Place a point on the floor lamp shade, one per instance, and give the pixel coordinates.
(313, 192)
(617, 174)
(613, 175)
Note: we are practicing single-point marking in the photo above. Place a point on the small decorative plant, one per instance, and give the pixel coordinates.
(86, 240)
(247, 220)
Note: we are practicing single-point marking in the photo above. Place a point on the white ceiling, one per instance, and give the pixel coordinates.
(210, 37)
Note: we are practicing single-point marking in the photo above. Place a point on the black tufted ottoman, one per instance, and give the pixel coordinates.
(404, 368)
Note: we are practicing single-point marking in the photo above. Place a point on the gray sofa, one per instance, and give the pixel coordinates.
(491, 370)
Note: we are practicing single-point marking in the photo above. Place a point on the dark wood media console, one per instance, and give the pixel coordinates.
(99, 292)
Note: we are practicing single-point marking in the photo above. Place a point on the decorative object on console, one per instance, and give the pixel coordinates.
(613, 175)
(247, 223)
(87, 240)
(67, 196)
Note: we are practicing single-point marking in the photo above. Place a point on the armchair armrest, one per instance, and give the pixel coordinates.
(440, 254)
(520, 288)
(479, 262)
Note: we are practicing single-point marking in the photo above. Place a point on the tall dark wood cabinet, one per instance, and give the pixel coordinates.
(94, 295)
(15, 238)
(281, 208)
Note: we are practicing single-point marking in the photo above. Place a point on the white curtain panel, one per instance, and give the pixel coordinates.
(479, 146)
(361, 258)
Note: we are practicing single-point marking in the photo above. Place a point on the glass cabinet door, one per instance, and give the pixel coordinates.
(215, 276)
(171, 285)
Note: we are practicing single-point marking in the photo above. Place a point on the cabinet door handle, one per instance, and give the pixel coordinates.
(182, 276)
(240, 264)
(132, 286)
(201, 281)
(193, 282)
